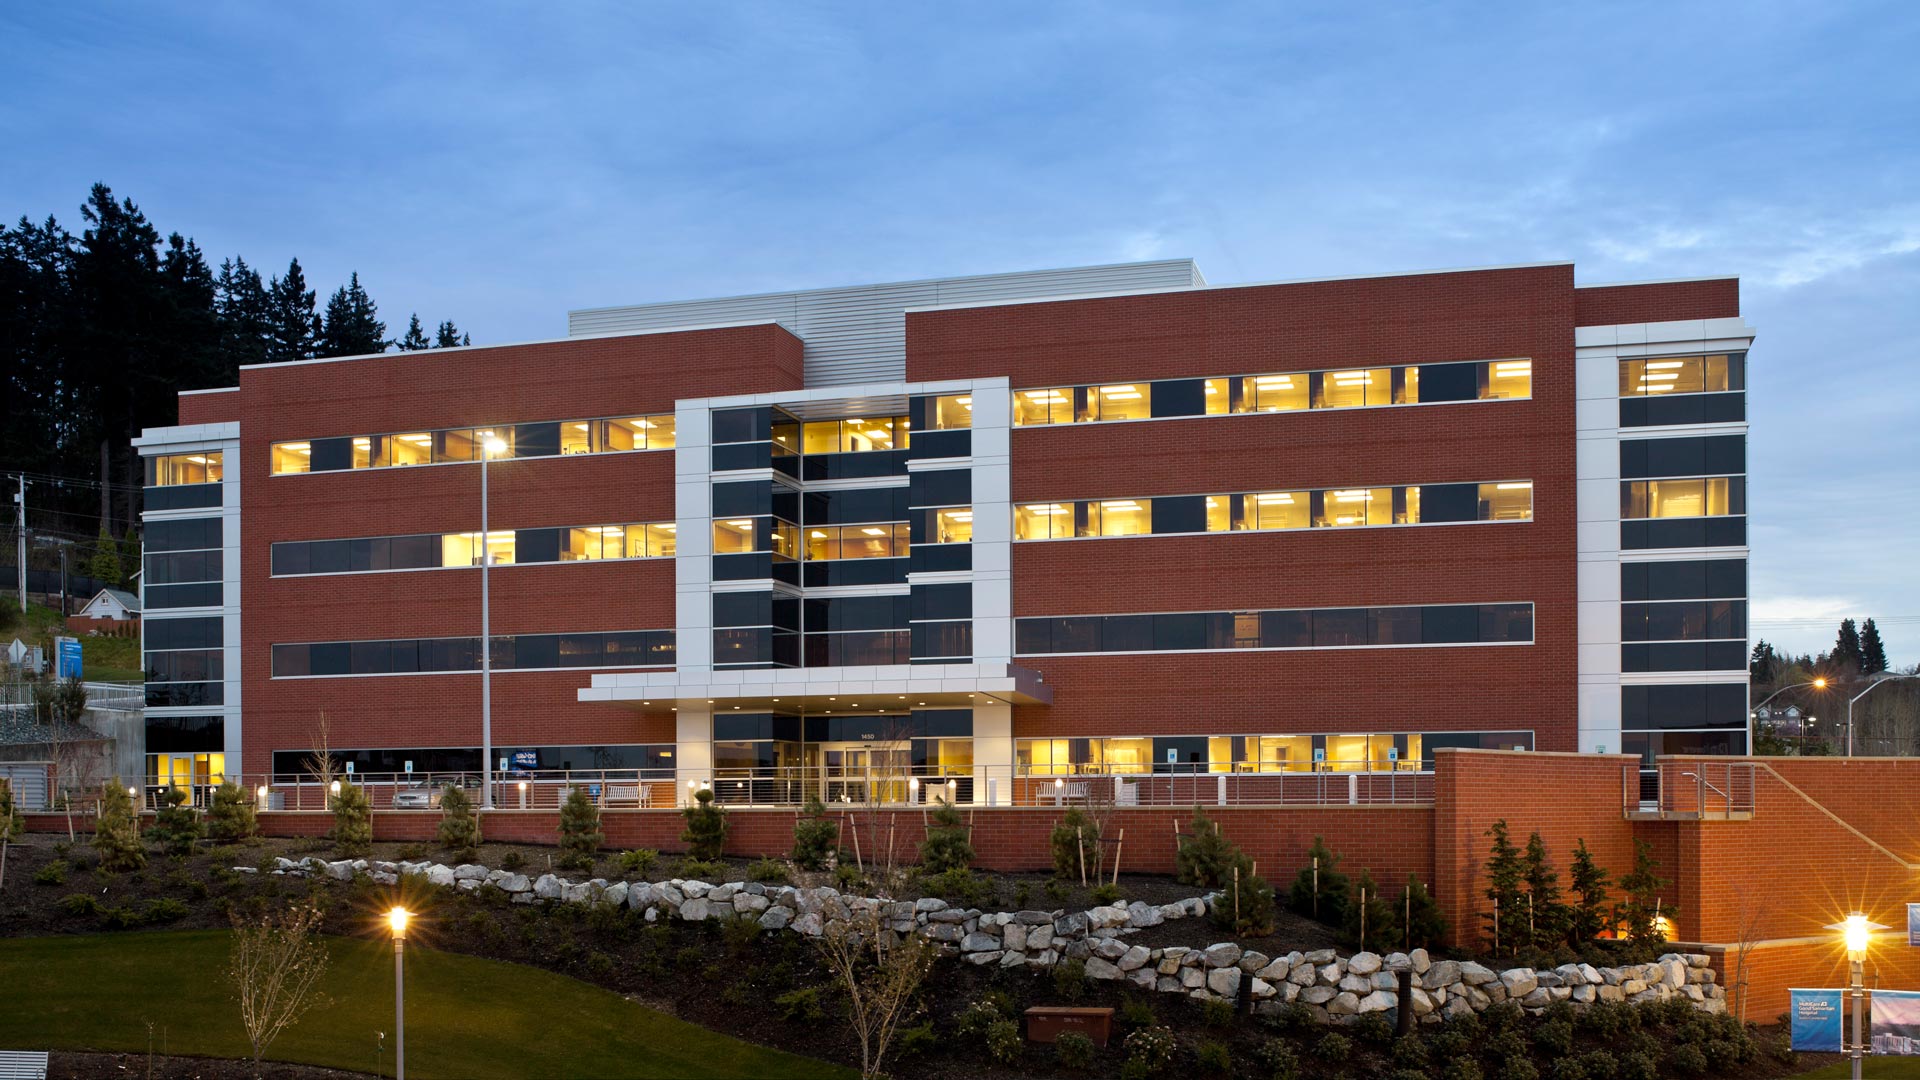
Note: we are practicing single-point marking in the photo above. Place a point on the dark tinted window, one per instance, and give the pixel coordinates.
(1126, 633)
(1449, 502)
(1339, 626)
(1506, 622)
(943, 639)
(745, 498)
(182, 535)
(536, 440)
(1706, 455)
(1286, 629)
(1449, 382)
(1691, 706)
(743, 609)
(206, 594)
(1452, 624)
(941, 487)
(950, 601)
(330, 455)
(1180, 513)
(1393, 626)
(1686, 409)
(203, 633)
(1179, 397)
(1032, 637)
(1187, 630)
(536, 545)
(856, 506)
(1344, 627)
(742, 425)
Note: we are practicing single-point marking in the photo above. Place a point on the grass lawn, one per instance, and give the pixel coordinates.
(466, 1017)
(103, 658)
(1872, 1068)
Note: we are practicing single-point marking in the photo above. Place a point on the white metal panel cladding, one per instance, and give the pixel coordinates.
(857, 334)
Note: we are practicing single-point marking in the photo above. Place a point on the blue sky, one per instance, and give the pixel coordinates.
(498, 164)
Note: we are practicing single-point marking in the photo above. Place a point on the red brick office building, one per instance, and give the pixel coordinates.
(991, 535)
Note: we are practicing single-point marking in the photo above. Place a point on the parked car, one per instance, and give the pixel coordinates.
(425, 794)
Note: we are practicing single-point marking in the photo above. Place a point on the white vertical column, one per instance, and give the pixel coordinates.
(230, 608)
(993, 752)
(693, 748)
(992, 526)
(1597, 480)
(693, 551)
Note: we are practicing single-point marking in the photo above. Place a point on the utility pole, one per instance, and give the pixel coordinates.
(20, 504)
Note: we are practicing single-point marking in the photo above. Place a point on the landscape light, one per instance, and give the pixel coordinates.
(397, 921)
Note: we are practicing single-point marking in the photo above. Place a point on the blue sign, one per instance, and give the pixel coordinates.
(1913, 925)
(525, 759)
(1894, 1022)
(67, 659)
(1815, 1016)
(1173, 756)
(1320, 754)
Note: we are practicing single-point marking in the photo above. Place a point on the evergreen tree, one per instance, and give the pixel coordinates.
(1762, 663)
(1645, 901)
(12, 824)
(580, 835)
(1422, 924)
(449, 337)
(352, 326)
(116, 831)
(234, 816)
(293, 326)
(1846, 648)
(1075, 842)
(104, 564)
(459, 829)
(1507, 919)
(1547, 914)
(946, 846)
(814, 835)
(244, 309)
(416, 338)
(1873, 652)
(1590, 885)
(1207, 857)
(352, 820)
(1245, 904)
(177, 826)
(706, 832)
(1371, 920)
(1326, 900)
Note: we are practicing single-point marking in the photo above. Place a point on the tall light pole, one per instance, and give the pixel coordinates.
(397, 921)
(490, 445)
(1857, 932)
(1882, 679)
(1818, 682)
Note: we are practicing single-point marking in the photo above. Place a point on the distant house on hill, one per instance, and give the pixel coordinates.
(117, 605)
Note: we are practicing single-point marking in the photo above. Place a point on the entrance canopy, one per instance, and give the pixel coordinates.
(825, 690)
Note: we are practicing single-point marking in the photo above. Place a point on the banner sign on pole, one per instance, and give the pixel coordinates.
(1815, 1017)
(1913, 925)
(66, 658)
(1894, 1022)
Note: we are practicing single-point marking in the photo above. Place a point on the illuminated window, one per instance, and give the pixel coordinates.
(953, 525)
(1119, 517)
(952, 411)
(1510, 379)
(1347, 753)
(363, 452)
(576, 437)
(292, 457)
(1677, 375)
(733, 537)
(1044, 757)
(1353, 388)
(1708, 497)
(786, 539)
(1042, 521)
(1357, 506)
(1273, 393)
(410, 449)
(196, 468)
(463, 549)
(1219, 396)
(1121, 401)
(1048, 406)
(1406, 390)
(1120, 756)
(599, 542)
(1277, 510)
(888, 540)
(1510, 500)
(1279, 753)
(458, 444)
(1219, 513)
(1220, 754)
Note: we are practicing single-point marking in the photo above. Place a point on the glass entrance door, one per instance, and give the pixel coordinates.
(864, 772)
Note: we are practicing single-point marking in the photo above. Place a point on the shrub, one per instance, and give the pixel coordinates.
(767, 870)
(846, 875)
(1070, 983)
(78, 905)
(234, 816)
(638, 862)
(1644, 889)
(1638, 1065)
(1588, 915)
(960, 884)
(352, 820)
(1058, 892)
(1687, 1060)
(459, 828)
(946, 846)
(116, 832)
(1075, 842)
(1107, 893)
(1206, 857)
(1516, 1068)
(1214, 1057)
(1074, 1050)
(512, 861)
(700, 869)
(1373, 1028)
(983, 1012)
(580, 835)
(1504, 870)
(1549, 918)
(1599, 1065)
(1371, 920)
(1149, 1050)
(1134, 1013)
(1245, 905)
(1410, 1052)
(1003, 1041)
(1422, 923)
(1216, 1013)
(1279, 1058)
(1022, 892)
(12, 824)
(706, 832)
(164, 910)
(119, 918)
(1555, 1039)
(1333, 1048)
(54, 873)
(413, 852)
(1330, 907)
(801, 1006)
(814, 835)
(919, 1041)
(1462, 1068)
(740, 933)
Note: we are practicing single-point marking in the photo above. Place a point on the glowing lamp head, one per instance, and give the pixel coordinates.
(334, 787)
(1059, 783)
(1820, 683)
(263, 791)
(494, 445)
(523, 785)
(133, 793)
(397, 921)
(914, 783)
(1855, 931)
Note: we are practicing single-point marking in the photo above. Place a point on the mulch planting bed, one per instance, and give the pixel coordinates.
(66, 1065)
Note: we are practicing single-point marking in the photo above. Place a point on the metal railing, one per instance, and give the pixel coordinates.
(1693, 788)
(123, 697)
(790, 786)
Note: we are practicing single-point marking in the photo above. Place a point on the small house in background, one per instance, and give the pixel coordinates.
(117, 605)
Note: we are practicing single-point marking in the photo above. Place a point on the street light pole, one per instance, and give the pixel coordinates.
(1818, 682)
(1882, 680)
(490, 445)
(397, 920)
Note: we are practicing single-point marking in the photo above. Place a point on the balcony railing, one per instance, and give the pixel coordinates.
(1689, 788)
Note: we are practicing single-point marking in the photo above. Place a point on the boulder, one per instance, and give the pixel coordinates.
(1011, 958)
(1225, 981)
(1172, 911)
(946, 933)
(1105, 918)
(1252, 961)
(1261, 989)
(1102, 969)
(1585, 993)
(1538, 997)
(1031, 918)
(1014, 937)
(1590, 974)
(1442, 973)
(439, 875)
(1330, 974)
(977, 942)
(1143, 978)
(809, 924)
(1071, 926)
(1319, 956)
(694, 890)
(984, 958)
(1143, 914)
(776, 918)
(1134, 959)
(469, 872)
(1611, 992)
(577, 893)
(1398, 961)
(1421, 961)
(1518, 982)
(953, 916)
(927, 904)
(1040, 937)
(1476, 975)
(547, 887)
(1378, 1001)
(747, 903)
(1363, 963)
(696, 909)
(342, 870)
(1276, 971)
(1193, 978)
(615, 894)
(721, 894)
(1424, 1003)
(1356, 984)
(1343, 1004)
(468, 885)
(1303, 974)
(1318, 995)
